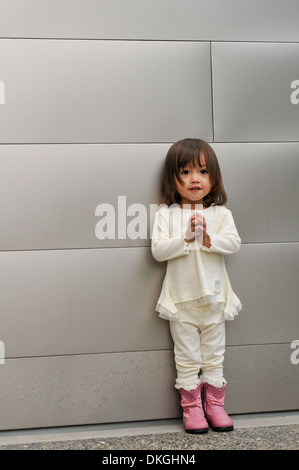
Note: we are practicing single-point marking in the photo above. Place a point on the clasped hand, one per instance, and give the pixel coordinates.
(196, 230)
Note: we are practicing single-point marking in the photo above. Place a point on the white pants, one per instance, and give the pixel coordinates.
(199, 345)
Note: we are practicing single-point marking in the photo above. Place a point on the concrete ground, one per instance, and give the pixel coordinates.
(263, 431)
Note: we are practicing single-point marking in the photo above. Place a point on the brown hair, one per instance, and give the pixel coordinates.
(178, 156)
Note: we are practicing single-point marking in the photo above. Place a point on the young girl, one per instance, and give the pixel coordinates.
(192, 232)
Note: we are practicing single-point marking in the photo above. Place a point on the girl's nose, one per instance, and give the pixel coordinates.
(195, 176)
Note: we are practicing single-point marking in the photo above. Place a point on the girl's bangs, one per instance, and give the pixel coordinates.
(195, 156)
(192, 157)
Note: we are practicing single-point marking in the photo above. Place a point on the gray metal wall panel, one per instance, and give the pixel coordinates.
(80, 301)
(72, 181)
(261, 181)
(53, 192)
(265, 277)
(98, 301)
(252, 92)
(92, 388)
(101, 388)
(104, 91)
(232, 20)
(261, 378)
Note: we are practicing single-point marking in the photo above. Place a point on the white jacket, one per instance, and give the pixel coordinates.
(194, 272)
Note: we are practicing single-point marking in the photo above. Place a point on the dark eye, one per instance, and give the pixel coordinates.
(203, 172)
(184, 172)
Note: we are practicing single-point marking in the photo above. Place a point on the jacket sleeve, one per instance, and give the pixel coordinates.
(227, 240)
(164, 245)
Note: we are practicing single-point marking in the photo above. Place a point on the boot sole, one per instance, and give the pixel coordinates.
(197, 431)
(224, 429)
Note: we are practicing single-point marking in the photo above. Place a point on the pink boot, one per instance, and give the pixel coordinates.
(193, 417)
(214, 411)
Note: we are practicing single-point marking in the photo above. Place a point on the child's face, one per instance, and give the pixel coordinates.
(196, 183)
